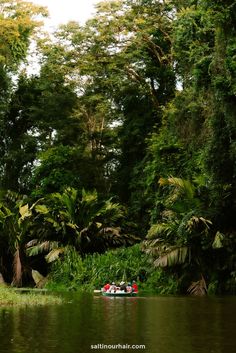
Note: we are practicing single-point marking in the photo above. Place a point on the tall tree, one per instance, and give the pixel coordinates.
(200, 122)
(204, 53)
(18, 22)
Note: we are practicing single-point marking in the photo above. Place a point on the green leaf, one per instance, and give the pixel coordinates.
(218, 241)
(41, 209)
(25, 211)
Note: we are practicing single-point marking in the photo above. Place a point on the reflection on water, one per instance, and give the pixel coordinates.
(162, 324)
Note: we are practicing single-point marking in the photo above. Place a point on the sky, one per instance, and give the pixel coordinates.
(62, 11)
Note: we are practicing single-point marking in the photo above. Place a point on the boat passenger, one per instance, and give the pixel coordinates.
(135, 287)
(129, 288)
(122, 286)
(106, 287)
(112, 287)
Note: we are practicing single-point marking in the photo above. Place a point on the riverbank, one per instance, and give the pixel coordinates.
(74, 273)
(9, 297)
(90, 273)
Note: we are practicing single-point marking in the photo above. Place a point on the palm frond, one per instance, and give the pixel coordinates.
(172, 256)
(110, 211)
(54, 254)
(89, 196)
(181, 186)
(69, 201)
(39, 279)
(110, 231)
(198, 288)
(159, 229)
(34, 248)
(153, 247)
(195, 221)
(31, 243)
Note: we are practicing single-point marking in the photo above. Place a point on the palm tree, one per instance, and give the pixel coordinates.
(176, 238)
(15, 222)
(81, 220)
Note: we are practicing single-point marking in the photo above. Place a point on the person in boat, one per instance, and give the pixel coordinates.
(129, 288)
(122, 286)
(112, 287)
(106, 287)
(134, 287)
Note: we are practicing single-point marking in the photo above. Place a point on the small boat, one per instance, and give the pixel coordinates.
(119, 294)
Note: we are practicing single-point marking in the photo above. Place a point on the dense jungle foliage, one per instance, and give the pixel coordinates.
(116, 132)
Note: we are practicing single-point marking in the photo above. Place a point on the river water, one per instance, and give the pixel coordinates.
(92, 323)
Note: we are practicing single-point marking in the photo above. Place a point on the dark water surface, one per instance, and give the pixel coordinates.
(162, 324)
